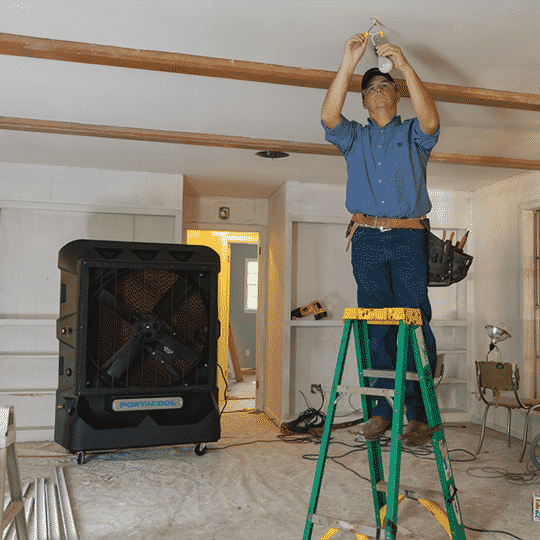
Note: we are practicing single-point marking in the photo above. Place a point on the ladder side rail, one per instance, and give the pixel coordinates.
(323, 452)
(10, 468)
(14, 481)
(376, 469)
(440, 447)
(425, 377)
(397, 429)
(446, 477)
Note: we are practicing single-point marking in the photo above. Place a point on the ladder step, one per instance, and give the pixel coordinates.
(357, 528)
(413, 492)
(367, 390)
(382, 374)
(9, 513)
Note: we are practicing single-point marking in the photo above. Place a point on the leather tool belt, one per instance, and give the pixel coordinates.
(447, 264)
(381, 223)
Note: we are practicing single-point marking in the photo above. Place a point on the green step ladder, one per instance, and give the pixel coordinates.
(386, 495)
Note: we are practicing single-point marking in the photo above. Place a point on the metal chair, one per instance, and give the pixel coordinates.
(503, 377)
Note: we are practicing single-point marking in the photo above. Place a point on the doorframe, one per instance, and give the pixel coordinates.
(260, 360)
(526, 271)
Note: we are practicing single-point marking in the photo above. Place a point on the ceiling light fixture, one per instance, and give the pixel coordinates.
(378, 38)
(272, 154)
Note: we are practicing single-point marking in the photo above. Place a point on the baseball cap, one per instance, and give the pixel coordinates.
(374, 72)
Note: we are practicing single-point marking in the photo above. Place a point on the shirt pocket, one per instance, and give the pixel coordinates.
(399, 143)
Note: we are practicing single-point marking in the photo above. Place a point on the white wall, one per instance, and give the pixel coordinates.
(41, 210)
(502, 216)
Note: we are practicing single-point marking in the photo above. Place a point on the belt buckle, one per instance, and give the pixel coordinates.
(381, 228)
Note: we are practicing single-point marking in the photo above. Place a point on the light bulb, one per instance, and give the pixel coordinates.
(385, 64)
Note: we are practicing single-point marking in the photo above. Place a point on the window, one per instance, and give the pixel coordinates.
(251, 287)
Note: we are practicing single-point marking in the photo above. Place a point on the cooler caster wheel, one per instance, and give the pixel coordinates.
(200, 449)
(81, 458)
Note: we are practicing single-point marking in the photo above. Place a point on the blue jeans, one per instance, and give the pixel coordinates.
(390, 269)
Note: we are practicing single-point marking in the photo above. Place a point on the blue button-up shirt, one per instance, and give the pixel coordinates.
(386, 166)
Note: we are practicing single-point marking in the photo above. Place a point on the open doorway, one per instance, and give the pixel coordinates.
(238, 297)
(243, 304)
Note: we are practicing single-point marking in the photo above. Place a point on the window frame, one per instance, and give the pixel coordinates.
(248, 286)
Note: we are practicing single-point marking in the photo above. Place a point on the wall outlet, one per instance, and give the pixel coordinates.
(247, 352)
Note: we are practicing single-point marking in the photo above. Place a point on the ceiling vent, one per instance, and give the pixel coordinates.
(272, 154)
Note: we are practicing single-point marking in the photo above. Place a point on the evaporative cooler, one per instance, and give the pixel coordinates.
(138, 333)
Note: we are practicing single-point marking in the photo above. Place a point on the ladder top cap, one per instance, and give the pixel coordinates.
(410, 316)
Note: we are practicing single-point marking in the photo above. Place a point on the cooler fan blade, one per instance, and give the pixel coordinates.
(117, 306)
(163, 358)
(181, 289)
(118, 364)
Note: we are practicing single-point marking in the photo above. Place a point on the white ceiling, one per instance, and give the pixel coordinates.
(489, 44)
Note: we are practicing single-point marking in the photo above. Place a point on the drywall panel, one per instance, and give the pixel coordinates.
(241, 211)
(321, 268)
(324, 202)
(277, 368)
(30, 240)
(21, 372)
(314, 354)
(87, 186)
(28, 336)
(33, 410)
(150, 228)
(451, 210)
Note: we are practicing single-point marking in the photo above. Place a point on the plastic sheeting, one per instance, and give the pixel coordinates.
(246, 490)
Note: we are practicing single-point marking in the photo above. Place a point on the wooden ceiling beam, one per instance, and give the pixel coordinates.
(107, 55)
(228, 141)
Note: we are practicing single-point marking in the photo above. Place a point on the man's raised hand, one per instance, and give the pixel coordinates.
(355, 47)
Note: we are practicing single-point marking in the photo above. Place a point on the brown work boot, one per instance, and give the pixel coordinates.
(416, 433)
(374, 428)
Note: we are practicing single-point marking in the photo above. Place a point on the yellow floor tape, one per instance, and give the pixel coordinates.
(435, 509)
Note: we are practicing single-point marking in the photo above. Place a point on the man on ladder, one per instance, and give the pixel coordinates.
(387, 195)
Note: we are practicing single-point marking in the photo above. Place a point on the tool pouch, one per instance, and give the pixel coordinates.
(446, 263)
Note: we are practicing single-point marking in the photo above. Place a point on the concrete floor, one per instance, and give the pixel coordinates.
(253, 486)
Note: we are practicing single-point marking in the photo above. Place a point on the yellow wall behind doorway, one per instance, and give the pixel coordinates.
(220, 242)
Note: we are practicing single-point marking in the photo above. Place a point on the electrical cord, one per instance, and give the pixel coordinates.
(529, 476)
(535, 443)
(492, 532)
(225, 392)
(310, 424)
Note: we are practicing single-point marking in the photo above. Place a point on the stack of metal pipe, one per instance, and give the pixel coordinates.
(47, 509)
